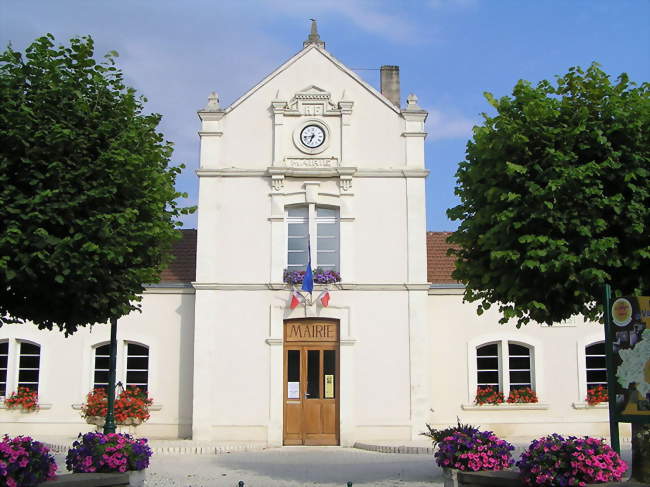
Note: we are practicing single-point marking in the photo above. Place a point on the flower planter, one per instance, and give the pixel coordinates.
(137, 477)
(127, 426)
(450, 476)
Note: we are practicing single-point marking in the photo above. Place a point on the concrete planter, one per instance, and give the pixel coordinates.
(137, 478)
(128, 426)
(510, 478)
(131, 478)
(100, 420)
(450, 476)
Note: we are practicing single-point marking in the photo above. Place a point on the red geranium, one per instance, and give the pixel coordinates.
(23, 398)
(524, 395)
(132, 402)
(596, 395)
(488, 395)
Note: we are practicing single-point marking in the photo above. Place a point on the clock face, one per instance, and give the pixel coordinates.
(312, 136)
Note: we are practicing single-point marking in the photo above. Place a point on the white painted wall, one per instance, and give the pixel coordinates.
(165, 325)
(559, 374)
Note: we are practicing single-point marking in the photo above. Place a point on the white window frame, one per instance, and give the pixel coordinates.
(587, 369)
(503, 360)
(312, 221)
(6, 369)
(581, 348)
(126, 364)
(121, 362)
(536, 371)
(19, 355)
(13, 364)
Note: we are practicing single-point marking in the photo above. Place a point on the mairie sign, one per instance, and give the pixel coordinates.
(311, 332)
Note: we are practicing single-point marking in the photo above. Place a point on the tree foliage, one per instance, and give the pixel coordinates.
(88, 208)
(555, 198)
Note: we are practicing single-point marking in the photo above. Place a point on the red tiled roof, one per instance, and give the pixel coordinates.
(439, 264)
(183, 267)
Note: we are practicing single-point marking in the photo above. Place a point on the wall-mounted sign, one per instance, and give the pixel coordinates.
(630, 332)
(293, 390)
(329, 386)
(311, 331)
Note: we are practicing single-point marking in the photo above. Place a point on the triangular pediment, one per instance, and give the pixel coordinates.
(313, 90)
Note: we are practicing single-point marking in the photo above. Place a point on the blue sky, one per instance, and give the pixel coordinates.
(449, 53)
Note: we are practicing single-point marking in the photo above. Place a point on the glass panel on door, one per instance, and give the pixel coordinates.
(293, 374)
(329, 374)
(313, 374)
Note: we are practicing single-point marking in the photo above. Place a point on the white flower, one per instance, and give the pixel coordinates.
(633, 367)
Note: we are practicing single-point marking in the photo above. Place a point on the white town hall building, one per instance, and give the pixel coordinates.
(312, 159)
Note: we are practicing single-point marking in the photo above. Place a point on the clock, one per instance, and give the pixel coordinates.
(312, 136)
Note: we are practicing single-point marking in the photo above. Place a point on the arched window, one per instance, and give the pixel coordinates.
(102, 364)
(133, 355)
(4, 364)
(137, 366)
(595, 365)
(322, 225)
(504, 366)
(20, 365)
(29, 365)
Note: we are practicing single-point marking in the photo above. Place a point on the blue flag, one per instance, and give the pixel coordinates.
(308, 281)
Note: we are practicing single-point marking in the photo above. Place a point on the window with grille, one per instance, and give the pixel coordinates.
(4, 364)
(137, 366)
(504, 366)
(595, 365)
(319, 223)
(519, 366)
(136, 373)
(28, 365)
(102, 363)
(487, 366)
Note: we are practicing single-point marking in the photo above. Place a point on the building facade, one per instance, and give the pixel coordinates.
(312, 165)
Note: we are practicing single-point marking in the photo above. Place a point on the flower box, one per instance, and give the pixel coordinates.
(23, 399)
(294, 278)
(131, 407)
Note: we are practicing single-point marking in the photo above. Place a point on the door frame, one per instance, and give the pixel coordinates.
(303, 346)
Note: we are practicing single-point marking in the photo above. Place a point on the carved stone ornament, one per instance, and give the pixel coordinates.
(345, 183)
(277, 181)
(312, 101)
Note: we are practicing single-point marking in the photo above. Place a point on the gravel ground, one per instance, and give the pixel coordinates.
(297, 467)
(292, 467)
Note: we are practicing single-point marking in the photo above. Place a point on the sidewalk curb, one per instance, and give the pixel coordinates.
(408, 450)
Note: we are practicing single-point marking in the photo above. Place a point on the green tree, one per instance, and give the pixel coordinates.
(555, 202)
(88, 209)
(555, 198)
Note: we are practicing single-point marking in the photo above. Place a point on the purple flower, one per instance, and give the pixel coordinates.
(113, 452)
(555, 460)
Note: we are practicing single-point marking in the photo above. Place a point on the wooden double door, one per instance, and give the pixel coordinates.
(311, 385)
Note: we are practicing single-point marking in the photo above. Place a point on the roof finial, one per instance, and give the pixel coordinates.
(314, 38)
(213, 103)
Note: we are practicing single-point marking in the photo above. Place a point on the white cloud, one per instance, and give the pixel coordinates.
(448, 125)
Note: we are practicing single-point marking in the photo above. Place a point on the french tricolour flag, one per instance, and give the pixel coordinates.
(325, 298)
(308, 281)
(295, 299)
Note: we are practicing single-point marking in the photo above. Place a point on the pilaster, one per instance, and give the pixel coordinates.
(414, 118)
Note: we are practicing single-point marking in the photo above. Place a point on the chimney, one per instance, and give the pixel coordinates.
(389, 84)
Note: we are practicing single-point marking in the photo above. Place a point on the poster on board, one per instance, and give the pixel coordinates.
(630, 332)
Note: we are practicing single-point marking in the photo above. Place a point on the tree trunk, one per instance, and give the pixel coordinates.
(641, 452)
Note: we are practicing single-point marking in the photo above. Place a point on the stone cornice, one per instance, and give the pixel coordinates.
(279, 286)
(312, 172)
